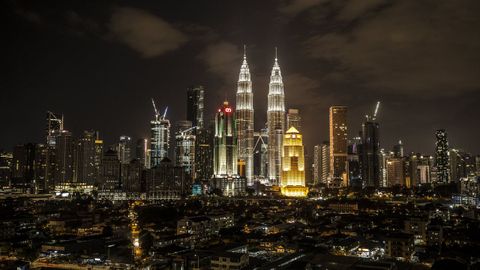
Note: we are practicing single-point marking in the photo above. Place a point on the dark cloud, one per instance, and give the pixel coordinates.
(295, 7)
(221, 59)
(144, 32)
(420, 48)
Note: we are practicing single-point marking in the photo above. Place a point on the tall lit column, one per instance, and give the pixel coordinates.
(244, 115)
(293, 165)
(275, 123)
(338, 143)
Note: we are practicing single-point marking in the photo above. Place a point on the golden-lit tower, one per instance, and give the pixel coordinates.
(293, 165)
(338, 144)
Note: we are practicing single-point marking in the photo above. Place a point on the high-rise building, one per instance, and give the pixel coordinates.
(98, 156)
(275, 123)
(245, 120)
(325, 162)
(166, 181)
(462, 164)
(383, 157)
(195, 104)
(369, 154)
(185, 148)
(124, 149)
(160, 137)
(420, 167)
(110, 172)
(260, 154)
(395, 172)
(477, 165)
(141, 152)
(53, 127)
(40, 178)
(225, 155)
(354, 151)
(225, 152)
(6, 159)
(85, 166)
(398, 149)
(442, 157)
(64, 158)
(23, 166)
(293, 165)
(131, 176)
(317, 164)
(204, 153)
(338, 144)
(294, 119)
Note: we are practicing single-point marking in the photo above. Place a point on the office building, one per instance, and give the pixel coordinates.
(124, 149)
(260, 155)
(185, 148)
(195, 105)
(85, 166)
(294, 119)
(204, 153)
(64, 159)
(369, 154)
(442, 157)
(338, 144)
(225, 155)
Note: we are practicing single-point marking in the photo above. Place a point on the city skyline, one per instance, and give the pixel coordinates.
(98, 56)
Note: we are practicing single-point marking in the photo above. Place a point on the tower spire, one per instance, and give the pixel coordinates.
(244, 52)
(276, 54)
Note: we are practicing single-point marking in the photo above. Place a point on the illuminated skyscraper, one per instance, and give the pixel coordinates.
(53, 127)
(294, 119)
(317, 165)
(204, 152)
(261, 154)
(141, 152)
(225, 142)
(225, 154)
(86, 171)
(275, 123)
(185, 148)
(124, 149)
(325, 162)
(398, 149)
(195, 104)
(64, 156)
(441, 156)
(245, 123)
(293, 165)
(160, 137)
(338, 143)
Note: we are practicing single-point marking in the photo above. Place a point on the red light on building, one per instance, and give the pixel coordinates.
(229, 110)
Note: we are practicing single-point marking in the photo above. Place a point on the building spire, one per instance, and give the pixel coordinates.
(276, 59)
(244, 52)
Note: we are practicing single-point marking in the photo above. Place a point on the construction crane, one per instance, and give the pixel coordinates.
(155, 109)
(165, 113)
(374, 117)
(376, 111)
(182, 132)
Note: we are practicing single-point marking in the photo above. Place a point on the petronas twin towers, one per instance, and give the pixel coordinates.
(275, 121)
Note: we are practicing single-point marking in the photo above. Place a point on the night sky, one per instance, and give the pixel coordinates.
(100, 62)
